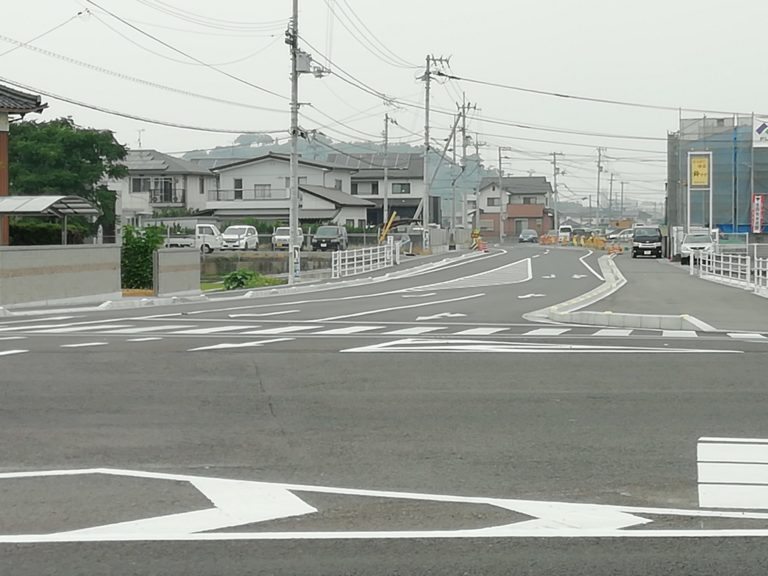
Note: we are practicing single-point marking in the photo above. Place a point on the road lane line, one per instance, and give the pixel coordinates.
(592, 270)
(149, 339)
(380, 310)
(84, 344)
(216, 329)
(746, 335)
(613, 332)
(226, 345)
(145, 329)
(479, 331)
(12, 352)
(547, 332)
(283, 329)
(416, 330)
(678, 334)
(278, 313)
(6, 338)
(349, 330)
(419, 295)
(82, 328)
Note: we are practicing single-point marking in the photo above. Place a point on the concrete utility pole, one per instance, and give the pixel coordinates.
(502, 205)
(610, 198)
(465, 106)
(621, 205)
(294, 249)
(427, 179)
(555, 173)
(599, 172)
(386, 170)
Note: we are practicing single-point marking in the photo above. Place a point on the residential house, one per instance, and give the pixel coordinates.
(158, 181)
(260, 188)
(520, 203)
(405, 189)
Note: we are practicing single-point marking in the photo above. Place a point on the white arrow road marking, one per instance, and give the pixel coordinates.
(226, 346)
(514, 273)
(524, 296)
(424, 345)
(441, 315)
(369, 312)
(239, 502)
(278, 313)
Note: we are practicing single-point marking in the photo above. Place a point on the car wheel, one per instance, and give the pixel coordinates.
(634, 254)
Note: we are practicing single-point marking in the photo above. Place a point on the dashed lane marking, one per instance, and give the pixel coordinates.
(480, 331)
(145, 329)
(6, 338)
(148, 339)
(282, 330)
(747, 335)
(84, 344)
(12, 352)
(415, 331)
(239, 345)
(678, 334)
(612, 332)
(547, 332)
(278, 313)
(349, 330)
(216, 329)
(81, 328)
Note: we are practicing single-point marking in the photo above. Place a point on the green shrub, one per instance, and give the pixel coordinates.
(36, 232)
(137, 256)
(244, 278)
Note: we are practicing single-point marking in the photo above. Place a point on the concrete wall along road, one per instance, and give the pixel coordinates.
(177, 272)
(40, 275)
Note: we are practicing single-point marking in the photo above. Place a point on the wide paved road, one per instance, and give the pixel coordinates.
(404, 425)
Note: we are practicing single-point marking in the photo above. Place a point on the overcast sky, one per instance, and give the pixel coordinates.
(681, 53)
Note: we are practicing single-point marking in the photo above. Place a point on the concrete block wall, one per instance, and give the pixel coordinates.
(41, 275)
(177, 272)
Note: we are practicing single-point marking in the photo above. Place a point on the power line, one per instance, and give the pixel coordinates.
(187, 55)
(49, 31)
(133, 116)
(210, 21)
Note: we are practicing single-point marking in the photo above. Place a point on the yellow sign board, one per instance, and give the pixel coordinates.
(700, 170)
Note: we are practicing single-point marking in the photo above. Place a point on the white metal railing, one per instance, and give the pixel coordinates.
(760, 275)
(737, 269)
(351, 262)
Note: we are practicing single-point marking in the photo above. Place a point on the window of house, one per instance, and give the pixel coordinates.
(350, 223)
(530, 200)
(238, 186)
(262, 190)
(202, 185)
(141, 184)
(374, 188)
(302, 180)
(354, 189)
(361, 223)
(337, 183)
(486, 225)
(401, 188)
(494, 201)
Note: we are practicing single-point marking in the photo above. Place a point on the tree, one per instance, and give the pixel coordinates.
(58, 157)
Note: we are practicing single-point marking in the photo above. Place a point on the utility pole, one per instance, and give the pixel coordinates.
(555, 173)
(427, 178)
(502, 207)
(621, 205)
(386, 170)
(465, 106)
(610, 199)
(294, 250)
(599, 172)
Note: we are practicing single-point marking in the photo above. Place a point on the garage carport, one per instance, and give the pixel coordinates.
(59, 206)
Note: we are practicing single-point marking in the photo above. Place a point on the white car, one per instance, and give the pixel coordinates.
(694, 244)
(240, 238)
(281, 237)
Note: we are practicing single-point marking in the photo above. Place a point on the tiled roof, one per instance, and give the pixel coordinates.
(338, 197)
(519, 184)
(156, 162)
(371, 166)
(283, 158)
(15, 102)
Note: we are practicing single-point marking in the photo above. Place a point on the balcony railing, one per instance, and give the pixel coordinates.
(246, 195)
(177, 197)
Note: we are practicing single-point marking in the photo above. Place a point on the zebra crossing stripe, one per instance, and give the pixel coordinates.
(282, 330)
(480, 331)
(547, 332)
(415, 331)
(348, 330)
(613, 332)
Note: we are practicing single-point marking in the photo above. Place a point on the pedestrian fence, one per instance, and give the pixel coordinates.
(745, 271)
(352, 262)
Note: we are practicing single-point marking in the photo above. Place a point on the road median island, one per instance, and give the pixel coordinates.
(571, 311)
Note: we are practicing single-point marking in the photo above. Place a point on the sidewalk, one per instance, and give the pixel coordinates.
(662, 287)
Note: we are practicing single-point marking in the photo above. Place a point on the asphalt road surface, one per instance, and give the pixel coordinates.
(414, 423)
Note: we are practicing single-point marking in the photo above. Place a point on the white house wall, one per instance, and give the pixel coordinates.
(354, 213)
(274, 173)
(312, 202)
(197, 198)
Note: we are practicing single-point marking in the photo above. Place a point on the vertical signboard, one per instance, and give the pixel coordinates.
(699, 180)
(760, 132)
(758, 213)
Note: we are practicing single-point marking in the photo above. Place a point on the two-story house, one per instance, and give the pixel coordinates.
(521, 202)
(260, 188)
(405, 182)
(156, 181)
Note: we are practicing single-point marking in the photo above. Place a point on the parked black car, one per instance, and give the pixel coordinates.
(330, 238)
(528, 235)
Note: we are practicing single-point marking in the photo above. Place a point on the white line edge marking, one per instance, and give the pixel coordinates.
(592, 270)
(84, 344)
(549, 517)
(227, 346)
(148, 339)
(12, 352)
(380, 310)
(6, 338)
(278, 313)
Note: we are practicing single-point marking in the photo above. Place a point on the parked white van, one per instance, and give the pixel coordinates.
(565, 232)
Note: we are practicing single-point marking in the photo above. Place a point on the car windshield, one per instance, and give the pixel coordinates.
(528, 233)
(282, 231)
(697, 239)
(647, 234)
(236, 230)
(327, 232)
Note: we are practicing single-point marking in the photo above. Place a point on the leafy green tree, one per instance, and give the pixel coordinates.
(59, 157)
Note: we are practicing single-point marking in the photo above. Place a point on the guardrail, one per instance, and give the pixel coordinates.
(736, 269)
(351, 262)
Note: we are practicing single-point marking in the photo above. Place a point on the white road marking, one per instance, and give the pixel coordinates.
(350, 330)
(746, 335)
(30, 328)
(12, 352)
(240, 502)
(226, 345)
(503, 275)
(145, 329)
(480, 331)
(414, 345)
(415, 331)
(547, 332)
(278, 313)
(441, 315)
(380, 310)
(733, 473)
(419, 295)
(578, 276)
(84, 345)
(6, 338)
(678, 334)
(148, 339)
(81, 328)
(283, 329)
(613, 332)
(592, 270)
(217, 329)
(549, 277)
(525, 296)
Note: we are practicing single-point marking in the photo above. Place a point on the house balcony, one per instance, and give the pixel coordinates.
(175, 198)
(246, 195)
